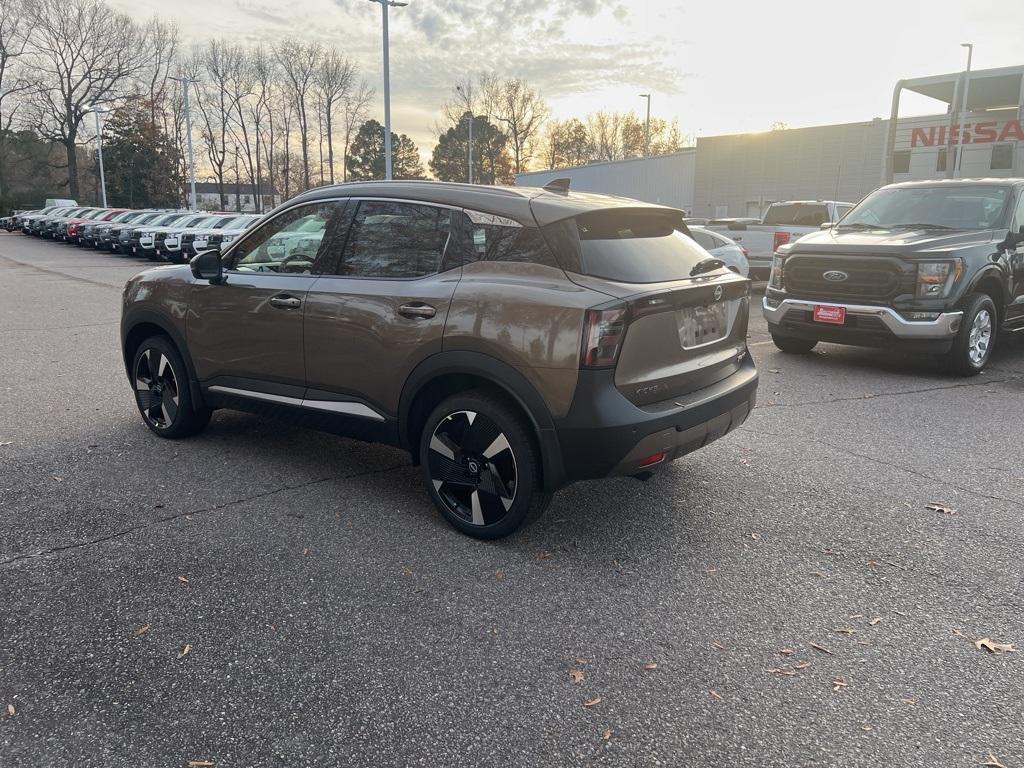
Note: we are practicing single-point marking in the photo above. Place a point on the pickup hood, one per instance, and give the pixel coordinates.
(908, 243)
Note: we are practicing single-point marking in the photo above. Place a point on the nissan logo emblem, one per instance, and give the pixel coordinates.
(835, 276)
(718, 292)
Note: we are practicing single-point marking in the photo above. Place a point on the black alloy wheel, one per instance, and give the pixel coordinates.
(481, 465)
(160, 382)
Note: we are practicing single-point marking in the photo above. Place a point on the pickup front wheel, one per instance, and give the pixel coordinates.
(972, 348)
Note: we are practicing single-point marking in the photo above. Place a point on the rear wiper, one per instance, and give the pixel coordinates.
(706, 265)
(919, 226)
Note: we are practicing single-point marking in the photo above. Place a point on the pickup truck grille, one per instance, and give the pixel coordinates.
(867, 279)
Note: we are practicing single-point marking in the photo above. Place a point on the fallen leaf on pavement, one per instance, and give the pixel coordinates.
(873, 563)
(718, 645)
(186, 649)
(993, 762)
(607, 734)
(821, 648)
(581, 660)
(715, 693)
(909, 701)
(819, 574)
(650, 666)
(576, 676)
(845, 631)
(11, 711)
(543, 555)
(857, 616)
(774, 370)
(592, 702)
(140, 631)
(787, 651)
(938, 506)
(499, 575)
(183, 579)
(199, 764)
(838, 684)
(875, 620)
(993, 647)
(5, 444)
(777, 671)
(305, 551)
(802, 665)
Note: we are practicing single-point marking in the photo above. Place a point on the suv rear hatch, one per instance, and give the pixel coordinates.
(676, 319)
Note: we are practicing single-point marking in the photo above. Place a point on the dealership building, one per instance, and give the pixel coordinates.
(977, 133)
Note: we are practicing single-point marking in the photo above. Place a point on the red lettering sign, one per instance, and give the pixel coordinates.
(979, 133)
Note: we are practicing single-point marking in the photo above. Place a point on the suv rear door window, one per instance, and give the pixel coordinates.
(494, 238)
(396, 240)
(628, 246)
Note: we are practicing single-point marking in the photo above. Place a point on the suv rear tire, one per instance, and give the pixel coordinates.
(793, 345)
(481, 466)
(162, 393)
(974, 342)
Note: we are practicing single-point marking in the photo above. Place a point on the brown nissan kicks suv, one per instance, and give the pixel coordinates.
(513, 340)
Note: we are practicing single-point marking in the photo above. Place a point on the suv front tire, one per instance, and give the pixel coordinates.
(481, 466)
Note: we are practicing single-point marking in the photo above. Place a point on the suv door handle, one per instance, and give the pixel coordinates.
(417, 310)
(284, 301)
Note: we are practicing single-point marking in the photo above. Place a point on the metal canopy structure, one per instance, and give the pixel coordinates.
(987, 89)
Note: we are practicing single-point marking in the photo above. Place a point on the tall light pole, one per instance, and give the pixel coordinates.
(469, 101)
(647, 125)
(385, 4)
(97, 109)
(187, 83)
(963, 107)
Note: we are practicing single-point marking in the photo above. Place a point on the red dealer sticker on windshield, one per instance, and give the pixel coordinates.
(826, 314)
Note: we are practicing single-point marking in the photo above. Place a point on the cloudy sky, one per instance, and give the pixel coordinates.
(717, 67)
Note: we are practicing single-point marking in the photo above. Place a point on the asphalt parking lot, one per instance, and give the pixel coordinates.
(264, 596)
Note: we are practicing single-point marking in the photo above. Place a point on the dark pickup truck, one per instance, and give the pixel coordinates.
(934, 267)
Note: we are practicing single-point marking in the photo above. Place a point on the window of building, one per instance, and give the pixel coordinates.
(1002, 157)
(901, 161)
(940, 162)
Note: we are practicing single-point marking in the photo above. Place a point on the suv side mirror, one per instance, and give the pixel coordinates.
(207, 266)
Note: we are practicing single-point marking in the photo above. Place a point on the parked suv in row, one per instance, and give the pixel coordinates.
(512, 340)
(930, 266)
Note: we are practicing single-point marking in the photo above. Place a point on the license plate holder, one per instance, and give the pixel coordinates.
(702, 325)
(825, 313)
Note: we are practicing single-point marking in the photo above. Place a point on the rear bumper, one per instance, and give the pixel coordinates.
(605, 435)
(867, 325)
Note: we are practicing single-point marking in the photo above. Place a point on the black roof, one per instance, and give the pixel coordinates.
(519, 203)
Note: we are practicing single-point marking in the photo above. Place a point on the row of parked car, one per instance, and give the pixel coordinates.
(161, 235)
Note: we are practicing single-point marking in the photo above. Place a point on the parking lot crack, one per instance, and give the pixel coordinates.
(191, 513)
(900, 393)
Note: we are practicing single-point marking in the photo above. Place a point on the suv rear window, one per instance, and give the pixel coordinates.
(626, 246)
(797, 214)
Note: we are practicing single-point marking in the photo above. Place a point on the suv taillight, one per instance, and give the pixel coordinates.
(780, 238)
(603, 330)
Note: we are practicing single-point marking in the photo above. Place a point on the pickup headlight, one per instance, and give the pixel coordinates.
(935, 279)
(776, 277)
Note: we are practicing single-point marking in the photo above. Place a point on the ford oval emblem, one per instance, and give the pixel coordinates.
(718, 293)
(835, 276)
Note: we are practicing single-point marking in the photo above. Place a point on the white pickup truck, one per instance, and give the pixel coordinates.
(783, 222)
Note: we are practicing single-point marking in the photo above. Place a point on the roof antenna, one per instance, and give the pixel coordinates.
(558, 186)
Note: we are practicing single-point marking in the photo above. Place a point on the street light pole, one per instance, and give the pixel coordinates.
(95, 109)
(385, 4)
(963, 107)
(188, 136)
(647, 126)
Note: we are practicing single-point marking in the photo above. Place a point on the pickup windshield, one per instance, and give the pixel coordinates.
(975, 206)
(797, 214)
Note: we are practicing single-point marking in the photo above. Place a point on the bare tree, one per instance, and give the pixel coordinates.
(355, 110)
(522, 111)
(161, 39)
(335, 80)
(261, 112)
(14, 32)
(299, 62)
(82, 52)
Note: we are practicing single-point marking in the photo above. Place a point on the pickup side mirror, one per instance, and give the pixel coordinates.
(207, 266)
(736, 226)
(827, 225)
